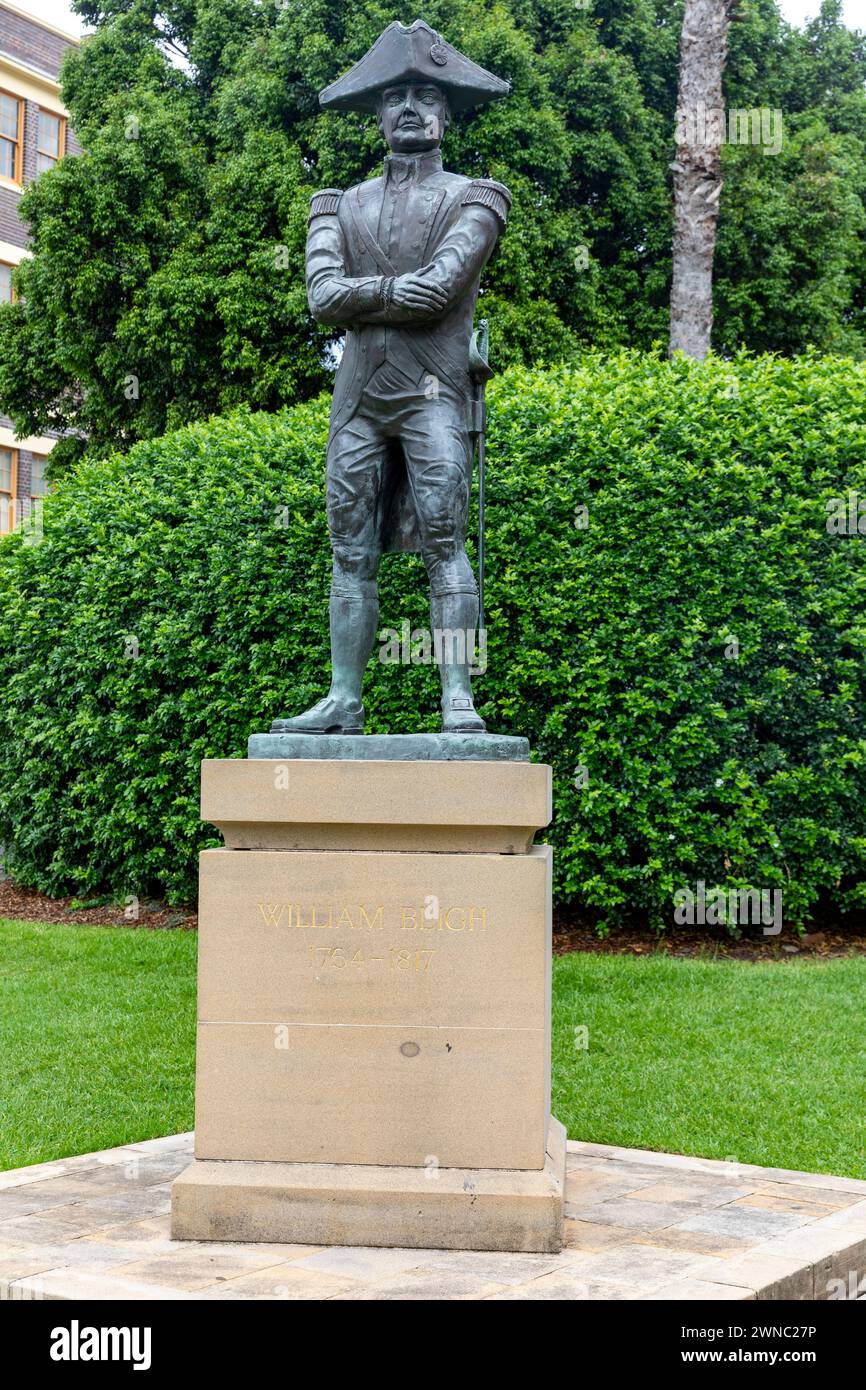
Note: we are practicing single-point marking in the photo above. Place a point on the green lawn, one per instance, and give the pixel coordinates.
(97, 1031)
(757, 1063)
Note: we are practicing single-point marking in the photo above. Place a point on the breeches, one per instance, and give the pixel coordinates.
(362, 457)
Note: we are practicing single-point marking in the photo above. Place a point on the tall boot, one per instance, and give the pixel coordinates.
(454, 618)
(353, 630)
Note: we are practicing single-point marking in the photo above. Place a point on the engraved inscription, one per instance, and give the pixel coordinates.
(312, 917)
(394, 958)
(363, 947)
(320, 917)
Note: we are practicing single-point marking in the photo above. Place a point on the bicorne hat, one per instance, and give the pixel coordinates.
(414, 54)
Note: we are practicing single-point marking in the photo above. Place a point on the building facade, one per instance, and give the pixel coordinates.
(34, 135)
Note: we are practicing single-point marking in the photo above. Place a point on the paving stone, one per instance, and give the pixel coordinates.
(84, 1284)
(648, 1158)
(16, 1202)
(639, 1265)
(153, 1237)
(811, 1243)
(288, 1282)
(171, 1143)
(771, 1277)
(494, 1266)
(826, 1180)
(736, 1220)
(150, 1231)
(136, 1173)
(124, 1206)
(422, 1284)
(769, 1201)
(74, 1254)
(828, 1197)
(197, 1268)
(82, 1218)
(832, 1255)
(564, 1286)
(695, 1290)
(704, 1192)
(639, 1225)
(636, 1174)
(588, 1235)
(362, 1261)
(628, 1212)
(43, 1228)
(586, 1186)
(60, 1167)
(696, 1242)
(851, 1220)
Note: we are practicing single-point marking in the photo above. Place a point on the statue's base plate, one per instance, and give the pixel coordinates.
(349, 1204)
(440, 748)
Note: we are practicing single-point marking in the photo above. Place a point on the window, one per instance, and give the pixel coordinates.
(11, 124)
(50, 140)
(8, 470)
(5, 283)
(39, 486)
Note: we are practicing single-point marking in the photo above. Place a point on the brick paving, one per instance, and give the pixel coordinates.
(639, 1225)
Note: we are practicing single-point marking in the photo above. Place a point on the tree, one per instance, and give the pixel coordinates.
(790, 267)
(697, 170)
(167, 280)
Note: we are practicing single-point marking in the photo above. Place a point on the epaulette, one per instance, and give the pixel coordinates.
(327, 200)
(492, 194)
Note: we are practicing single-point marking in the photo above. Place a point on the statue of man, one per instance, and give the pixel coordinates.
(396, 262)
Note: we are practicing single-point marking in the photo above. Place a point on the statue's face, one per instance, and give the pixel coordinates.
(413, 117)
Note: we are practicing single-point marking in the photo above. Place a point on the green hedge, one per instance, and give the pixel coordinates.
(611, 644)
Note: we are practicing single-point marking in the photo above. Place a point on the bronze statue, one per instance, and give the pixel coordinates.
(396, 261)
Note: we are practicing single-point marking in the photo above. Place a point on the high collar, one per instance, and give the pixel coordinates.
(413, 166)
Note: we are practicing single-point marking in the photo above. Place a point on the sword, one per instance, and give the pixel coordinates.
(480, 372)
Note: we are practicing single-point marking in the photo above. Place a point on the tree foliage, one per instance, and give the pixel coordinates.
(167, 281)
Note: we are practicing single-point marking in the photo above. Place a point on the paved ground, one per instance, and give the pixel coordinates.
(639, 1225)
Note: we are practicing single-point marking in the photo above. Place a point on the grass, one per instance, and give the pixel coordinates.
(757, 1063)
(97, 1031)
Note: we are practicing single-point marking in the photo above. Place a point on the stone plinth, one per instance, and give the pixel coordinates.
(373, 1057)
(468, 806)
(350, 1204)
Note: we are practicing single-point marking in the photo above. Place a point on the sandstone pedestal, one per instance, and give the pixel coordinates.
(373, 1057)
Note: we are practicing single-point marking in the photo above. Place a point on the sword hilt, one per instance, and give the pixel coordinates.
(479, 367)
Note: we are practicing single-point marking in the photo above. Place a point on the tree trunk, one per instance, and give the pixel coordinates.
(698, 171)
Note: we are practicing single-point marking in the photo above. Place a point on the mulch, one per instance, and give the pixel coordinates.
(710, 943)
(569, 934)
(23, 904)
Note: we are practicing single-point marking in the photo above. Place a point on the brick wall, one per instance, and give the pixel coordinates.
(29, 43)
(11, 229)
(25, 460)
(31, 118)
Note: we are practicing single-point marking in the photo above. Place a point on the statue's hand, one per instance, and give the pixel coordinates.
(417, 292)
